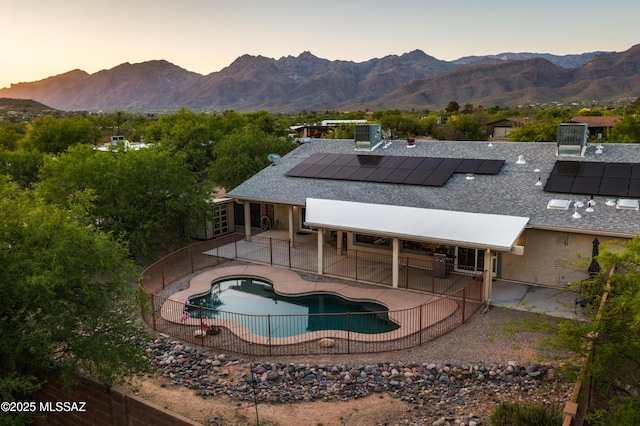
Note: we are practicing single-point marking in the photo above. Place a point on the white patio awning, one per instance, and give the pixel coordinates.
(474, 230)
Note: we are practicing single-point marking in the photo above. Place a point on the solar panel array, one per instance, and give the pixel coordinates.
(595, 178)
(425, 171)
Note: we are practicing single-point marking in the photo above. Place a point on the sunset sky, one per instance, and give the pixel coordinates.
(42, 38)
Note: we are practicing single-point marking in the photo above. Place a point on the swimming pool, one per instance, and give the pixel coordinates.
(253, 303)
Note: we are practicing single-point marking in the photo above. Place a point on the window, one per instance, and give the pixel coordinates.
(372, 240)
(221, 219)
(472, 260)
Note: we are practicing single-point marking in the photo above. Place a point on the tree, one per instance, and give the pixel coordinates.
(55, 135)
(22, 166)
(189, 134)
(452, 107)
(9, 139)
(536, 131)
(68, 305)
(626, 130)
(612, 333)
(146, 196)
(462, 127)
(242, 154)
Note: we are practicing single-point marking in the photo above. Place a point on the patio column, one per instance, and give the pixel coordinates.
(247, 220)
(291, 233)
(488, 275)
(320, 247)
(395, 265)
(340, 236)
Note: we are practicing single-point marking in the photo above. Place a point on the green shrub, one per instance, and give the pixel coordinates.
(526, 414)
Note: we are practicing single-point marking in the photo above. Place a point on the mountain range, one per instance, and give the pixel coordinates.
(413, 80)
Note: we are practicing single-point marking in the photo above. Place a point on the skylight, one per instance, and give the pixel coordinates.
(624, 204)
(559, 204)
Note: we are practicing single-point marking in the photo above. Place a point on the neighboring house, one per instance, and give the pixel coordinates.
(500, 129)
(599, 126)
(511, 211)
(308, 131)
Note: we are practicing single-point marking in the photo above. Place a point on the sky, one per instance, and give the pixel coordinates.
(43, 38)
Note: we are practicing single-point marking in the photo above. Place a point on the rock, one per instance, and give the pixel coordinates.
(199, 333)
(326, 343)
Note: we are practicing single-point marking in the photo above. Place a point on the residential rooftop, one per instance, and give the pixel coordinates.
(511, 192)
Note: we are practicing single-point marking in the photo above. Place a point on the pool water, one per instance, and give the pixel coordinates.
(253, 303)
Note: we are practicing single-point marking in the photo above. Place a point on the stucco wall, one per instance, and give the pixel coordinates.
(549, 258)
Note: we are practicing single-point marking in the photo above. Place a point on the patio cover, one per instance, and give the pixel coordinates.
(474, 230)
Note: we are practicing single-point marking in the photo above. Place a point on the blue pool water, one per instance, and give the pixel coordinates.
(254, 303)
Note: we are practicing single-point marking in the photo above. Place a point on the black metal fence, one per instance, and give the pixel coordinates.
(263, 335)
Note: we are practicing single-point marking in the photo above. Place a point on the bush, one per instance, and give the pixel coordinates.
(526, 414)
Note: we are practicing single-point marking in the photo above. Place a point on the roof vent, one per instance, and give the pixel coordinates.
(627, 204)
(559, 204)
(521, 160)
(572, 139)
(367, 136)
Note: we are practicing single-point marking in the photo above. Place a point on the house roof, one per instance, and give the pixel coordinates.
(509, 122)
(512, 192)
(597, 121)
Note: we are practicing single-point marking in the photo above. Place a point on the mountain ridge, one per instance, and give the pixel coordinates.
(307, 82)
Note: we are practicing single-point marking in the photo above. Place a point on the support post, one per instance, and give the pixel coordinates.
(395, 263)
(488, 275)
(247, 220)
(291, 230)
(320, 251)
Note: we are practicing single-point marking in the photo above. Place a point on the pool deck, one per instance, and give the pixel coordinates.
(287, 282)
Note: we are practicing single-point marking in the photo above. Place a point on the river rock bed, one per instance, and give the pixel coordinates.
(440, 394)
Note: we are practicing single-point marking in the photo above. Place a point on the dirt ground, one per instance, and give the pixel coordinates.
(372, 410)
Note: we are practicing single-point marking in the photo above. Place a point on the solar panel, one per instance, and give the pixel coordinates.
(314, 170)
(558, 183)
(566, 168)
(345, 160)
(427, 171)
(588, 185)
(590, 169)
(449, 164)
(362, 173)
(617, 187)
(429, 163)
(328, 171)
(369, 160)
(417, 177)
(635, 171)
(411, 162)
(490, 167)
(297, 170)
(345, 172)
(634, 188)
(328, 159)
(617, 170)
(468, 166)
(437, 178)
(398, 176)
(379, 174)
(392, 162)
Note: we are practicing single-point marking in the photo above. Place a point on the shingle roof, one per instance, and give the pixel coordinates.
(596, 121)
(511, 192)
